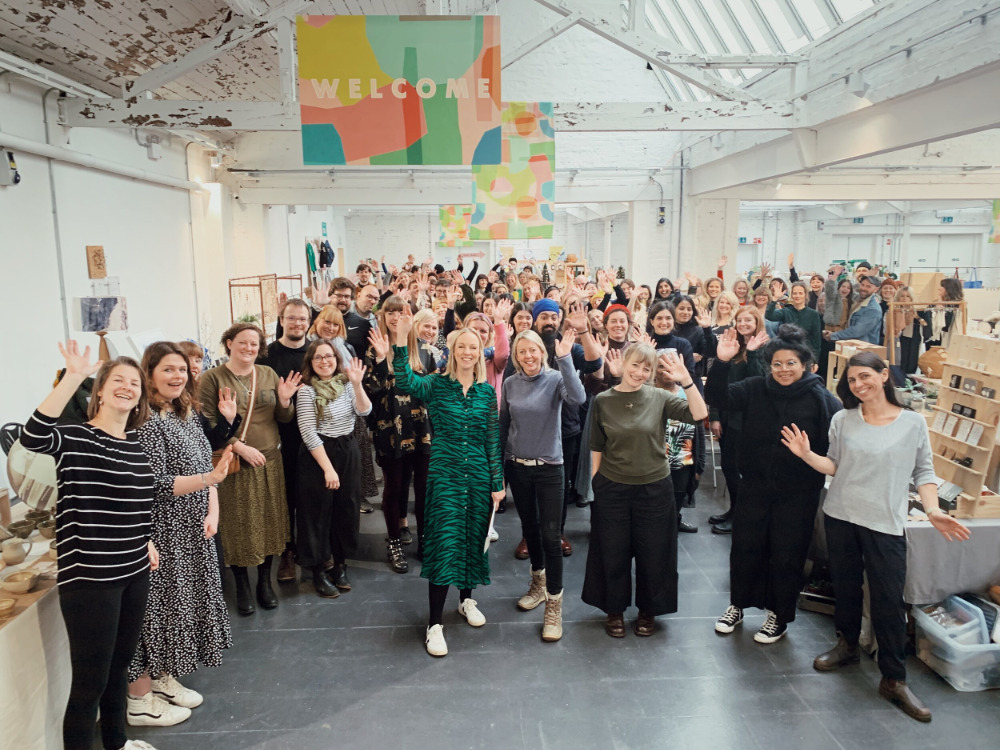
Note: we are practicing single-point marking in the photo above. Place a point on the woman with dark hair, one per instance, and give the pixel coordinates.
(401, 430)
(186, 622)
(664, 291)
(797, 312)
(696, 328)
(482, 283)
(327, 406)
(638, 304)
(253, 513)
(103, 518)
(660, 329)
(779, 496)
(727, 425)
(864, 514)
(633, 515)
(943, 320)
(836, 304)
(520, 317)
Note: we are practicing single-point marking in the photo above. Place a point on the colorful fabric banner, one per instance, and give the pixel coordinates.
(455, 222)
(515, 199)
(995, 226)
(399, 89)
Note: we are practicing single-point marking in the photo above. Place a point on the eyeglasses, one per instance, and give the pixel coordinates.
(344, 295)
(289, 319)
(324, 357)
(789, 365)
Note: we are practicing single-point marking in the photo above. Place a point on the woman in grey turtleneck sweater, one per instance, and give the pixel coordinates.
(531, 439)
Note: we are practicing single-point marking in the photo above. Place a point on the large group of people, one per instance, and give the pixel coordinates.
(598, 392)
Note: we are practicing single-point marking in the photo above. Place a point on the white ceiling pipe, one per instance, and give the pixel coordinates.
(16, 143)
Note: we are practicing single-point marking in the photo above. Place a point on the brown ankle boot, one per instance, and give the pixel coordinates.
(839, 656)
(898, 693)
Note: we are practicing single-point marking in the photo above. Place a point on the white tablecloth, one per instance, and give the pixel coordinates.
(937, 568)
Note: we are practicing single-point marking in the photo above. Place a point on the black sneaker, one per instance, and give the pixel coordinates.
(772, 630)
(366, 507)
(405, 536)
(732, 617)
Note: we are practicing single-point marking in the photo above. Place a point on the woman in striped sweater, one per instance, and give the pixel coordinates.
(329, 481)
(103, 522)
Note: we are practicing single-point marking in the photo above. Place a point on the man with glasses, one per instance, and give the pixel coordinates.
(865, 322)
(284, 356)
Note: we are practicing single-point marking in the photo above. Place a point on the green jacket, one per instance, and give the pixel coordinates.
(807, 319)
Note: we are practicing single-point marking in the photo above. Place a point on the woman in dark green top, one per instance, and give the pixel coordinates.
(798, 313)
(633, 514)
(466, 472)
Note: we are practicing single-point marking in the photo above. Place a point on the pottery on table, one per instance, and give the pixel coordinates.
(22, 529)
(37, 516)
(53, 552)
(15, 550)
(20, 581)
(7, 607)
(47, 528)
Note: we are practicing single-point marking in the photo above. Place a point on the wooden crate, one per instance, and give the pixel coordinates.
(987, 505)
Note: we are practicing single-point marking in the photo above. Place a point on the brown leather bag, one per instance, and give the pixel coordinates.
(234, 464)
(932, 361)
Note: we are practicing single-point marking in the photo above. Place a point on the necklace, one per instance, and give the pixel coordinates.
(239, 379)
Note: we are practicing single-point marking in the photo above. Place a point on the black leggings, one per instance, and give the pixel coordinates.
(538, 496)
(396, 474)
(103, 625)
(436, 595)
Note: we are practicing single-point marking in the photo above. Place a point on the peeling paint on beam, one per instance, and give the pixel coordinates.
(137, 112)
(648, 116)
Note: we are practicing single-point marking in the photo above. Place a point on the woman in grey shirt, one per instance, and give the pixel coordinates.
(531, 439)
(864, 515)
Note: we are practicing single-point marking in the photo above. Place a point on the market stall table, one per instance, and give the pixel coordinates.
(936, 568)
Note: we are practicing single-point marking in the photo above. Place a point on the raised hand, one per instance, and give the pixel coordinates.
(758, 340)
(423, 282)
(635, 332)
(564, 345)
(227, 404)
(647, 339)
(355, 371)
(722, 261)
(674, 367)
(578, 318)
(321, 295)
(379, 343)
(614, 362)
(492, 277)
(501, 313)
(288, 387)
(404, 326)
(795, 440)
(221, 471)
(76, 363)
(704, 318)
(791, 260)
(765, 271)
(728, 345)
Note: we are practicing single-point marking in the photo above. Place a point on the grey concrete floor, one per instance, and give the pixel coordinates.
(352, 672)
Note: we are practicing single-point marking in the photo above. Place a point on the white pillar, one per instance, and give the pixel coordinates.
(606, 259)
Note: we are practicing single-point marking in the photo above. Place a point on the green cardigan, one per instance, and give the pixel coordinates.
(807, 319)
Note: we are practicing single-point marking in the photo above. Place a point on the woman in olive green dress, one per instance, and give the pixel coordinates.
(253, 515)
(465, 480)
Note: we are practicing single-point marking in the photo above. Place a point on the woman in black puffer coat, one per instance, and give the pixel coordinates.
(773, 522)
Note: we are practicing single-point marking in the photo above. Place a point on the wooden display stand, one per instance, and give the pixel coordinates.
(963, 432)
(843, 351)
(959, 307)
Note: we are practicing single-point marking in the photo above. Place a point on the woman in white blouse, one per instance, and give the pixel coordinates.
(328, 487)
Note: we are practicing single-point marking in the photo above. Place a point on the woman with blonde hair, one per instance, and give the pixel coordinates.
(401, 429)
(633, 514)
(906, 327)
(329, 325)
(531, 440)
(465, 479)
(723, 317)
(496, 345)
(713, 288)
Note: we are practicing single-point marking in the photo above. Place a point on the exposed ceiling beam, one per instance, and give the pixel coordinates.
(235, 30)
(733, 61)
(636, 12)
(896, 187)
(248, 8)
(649, 50)
(563, 24)
(39, 74)
(923, 116)
(567, 116)
(284, 33)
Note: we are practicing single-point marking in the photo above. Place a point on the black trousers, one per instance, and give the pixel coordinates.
(396, 475)
(772, 529)
(328, 519)
(632, 521)
(103, 625)
(538, 496)
(909, 353)
(855, 550)
(291, 443)
(729, 455)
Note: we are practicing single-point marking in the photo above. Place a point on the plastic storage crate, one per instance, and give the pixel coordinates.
(966, 666)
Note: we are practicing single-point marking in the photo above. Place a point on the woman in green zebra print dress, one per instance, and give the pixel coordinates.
(465, 474)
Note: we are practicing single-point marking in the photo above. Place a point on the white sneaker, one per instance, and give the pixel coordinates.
(137, 745)
(170, 690)
(471, 613)
(434, 641)
(494, 536)
(151, 711)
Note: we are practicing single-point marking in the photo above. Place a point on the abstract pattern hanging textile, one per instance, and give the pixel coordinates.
(400, 90)
(455, 221)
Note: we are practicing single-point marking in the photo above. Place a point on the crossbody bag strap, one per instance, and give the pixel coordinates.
(252, 398)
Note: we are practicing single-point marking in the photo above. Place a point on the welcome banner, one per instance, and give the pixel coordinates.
(400, 89)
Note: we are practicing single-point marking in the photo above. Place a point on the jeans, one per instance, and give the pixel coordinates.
(855, 550)
(538, 496)
(103, 625)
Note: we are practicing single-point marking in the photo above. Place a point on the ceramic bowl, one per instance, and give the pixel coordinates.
(20, 581)
(37, 515)
(53, 552)
(6, 607)
(47, 528)
(22, 529)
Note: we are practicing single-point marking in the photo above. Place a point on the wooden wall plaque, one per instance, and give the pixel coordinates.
(96, 267)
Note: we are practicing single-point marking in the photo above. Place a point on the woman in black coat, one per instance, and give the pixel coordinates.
(773, 521)
(660, 328)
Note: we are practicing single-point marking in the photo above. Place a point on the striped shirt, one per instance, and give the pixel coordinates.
(339, 416)
(104, 511)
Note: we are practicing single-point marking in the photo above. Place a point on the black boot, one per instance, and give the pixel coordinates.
(338, 576)
(684, 526)
(394, 554)
(419, 554)
(265, 594)
(323, 586)
(244, 597)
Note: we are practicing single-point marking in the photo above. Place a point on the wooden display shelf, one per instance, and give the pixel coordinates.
(989, 425)
(954, 439)
(979, 397)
